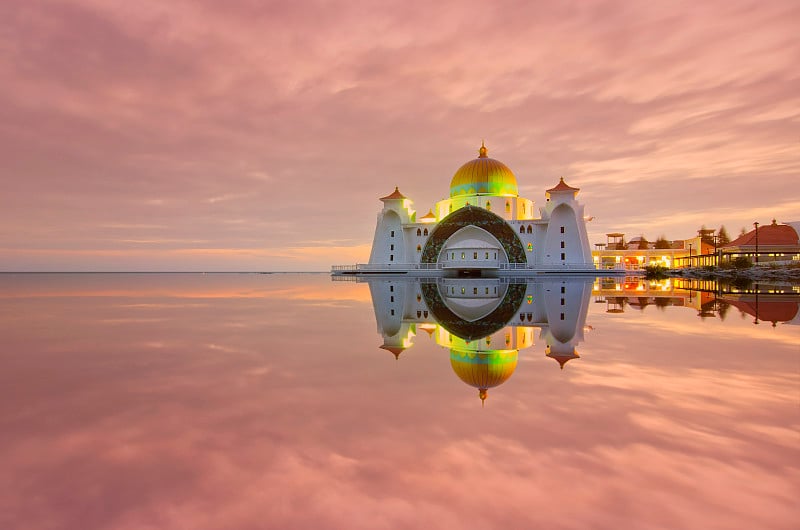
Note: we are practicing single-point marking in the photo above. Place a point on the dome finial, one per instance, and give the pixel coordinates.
(482, 151)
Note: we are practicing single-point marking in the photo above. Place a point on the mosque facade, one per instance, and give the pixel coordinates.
(483, 227)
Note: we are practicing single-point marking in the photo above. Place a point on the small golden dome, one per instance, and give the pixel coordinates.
(484, 176)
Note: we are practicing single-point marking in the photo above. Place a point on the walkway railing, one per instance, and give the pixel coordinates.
(403, 267)
(386, 267)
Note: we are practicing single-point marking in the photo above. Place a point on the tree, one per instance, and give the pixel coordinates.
(644, 244)
(662, 242)
(722, 236)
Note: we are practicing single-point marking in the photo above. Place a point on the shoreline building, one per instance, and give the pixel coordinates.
(775, 243)
(483, 228)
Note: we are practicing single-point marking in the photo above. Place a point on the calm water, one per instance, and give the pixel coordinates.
(266, 401)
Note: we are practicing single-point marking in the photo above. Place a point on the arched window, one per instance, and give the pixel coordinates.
(530, 229)
(419, 232)
(521, 229)
(419, 248)
(425, 233)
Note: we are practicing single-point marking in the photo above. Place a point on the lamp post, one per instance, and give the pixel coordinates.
(756, 225)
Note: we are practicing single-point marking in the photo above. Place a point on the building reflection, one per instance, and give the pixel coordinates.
(486, 323)
(483, 322)
(775, 304)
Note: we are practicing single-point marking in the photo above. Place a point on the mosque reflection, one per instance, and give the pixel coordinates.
(486, 322)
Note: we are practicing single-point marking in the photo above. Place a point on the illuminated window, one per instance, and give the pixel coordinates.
(487, 256)
(463, 255)
(463, 290)
(487, 291)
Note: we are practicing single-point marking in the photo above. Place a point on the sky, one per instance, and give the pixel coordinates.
(251, 135)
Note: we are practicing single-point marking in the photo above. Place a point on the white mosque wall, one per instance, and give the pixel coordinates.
(389, 245)
(566, 241)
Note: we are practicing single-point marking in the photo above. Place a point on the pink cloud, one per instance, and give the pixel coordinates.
(163, 114)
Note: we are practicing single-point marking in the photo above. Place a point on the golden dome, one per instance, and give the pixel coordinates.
(484, 176)
(484, 370)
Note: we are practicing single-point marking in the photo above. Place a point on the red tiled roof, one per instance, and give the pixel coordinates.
(394, 195)
(773, 234)
(562, 186)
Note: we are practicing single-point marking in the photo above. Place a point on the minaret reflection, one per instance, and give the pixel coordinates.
(484, 322)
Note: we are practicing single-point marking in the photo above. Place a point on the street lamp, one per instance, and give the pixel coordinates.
(756, 225)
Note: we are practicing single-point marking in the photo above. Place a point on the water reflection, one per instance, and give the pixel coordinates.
(763, 302)
(485, 323)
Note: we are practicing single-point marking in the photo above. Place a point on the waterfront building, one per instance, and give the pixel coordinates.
(772, 243)
(637, 254)
(482, 228)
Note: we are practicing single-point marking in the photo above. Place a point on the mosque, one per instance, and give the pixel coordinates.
(483, 228)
